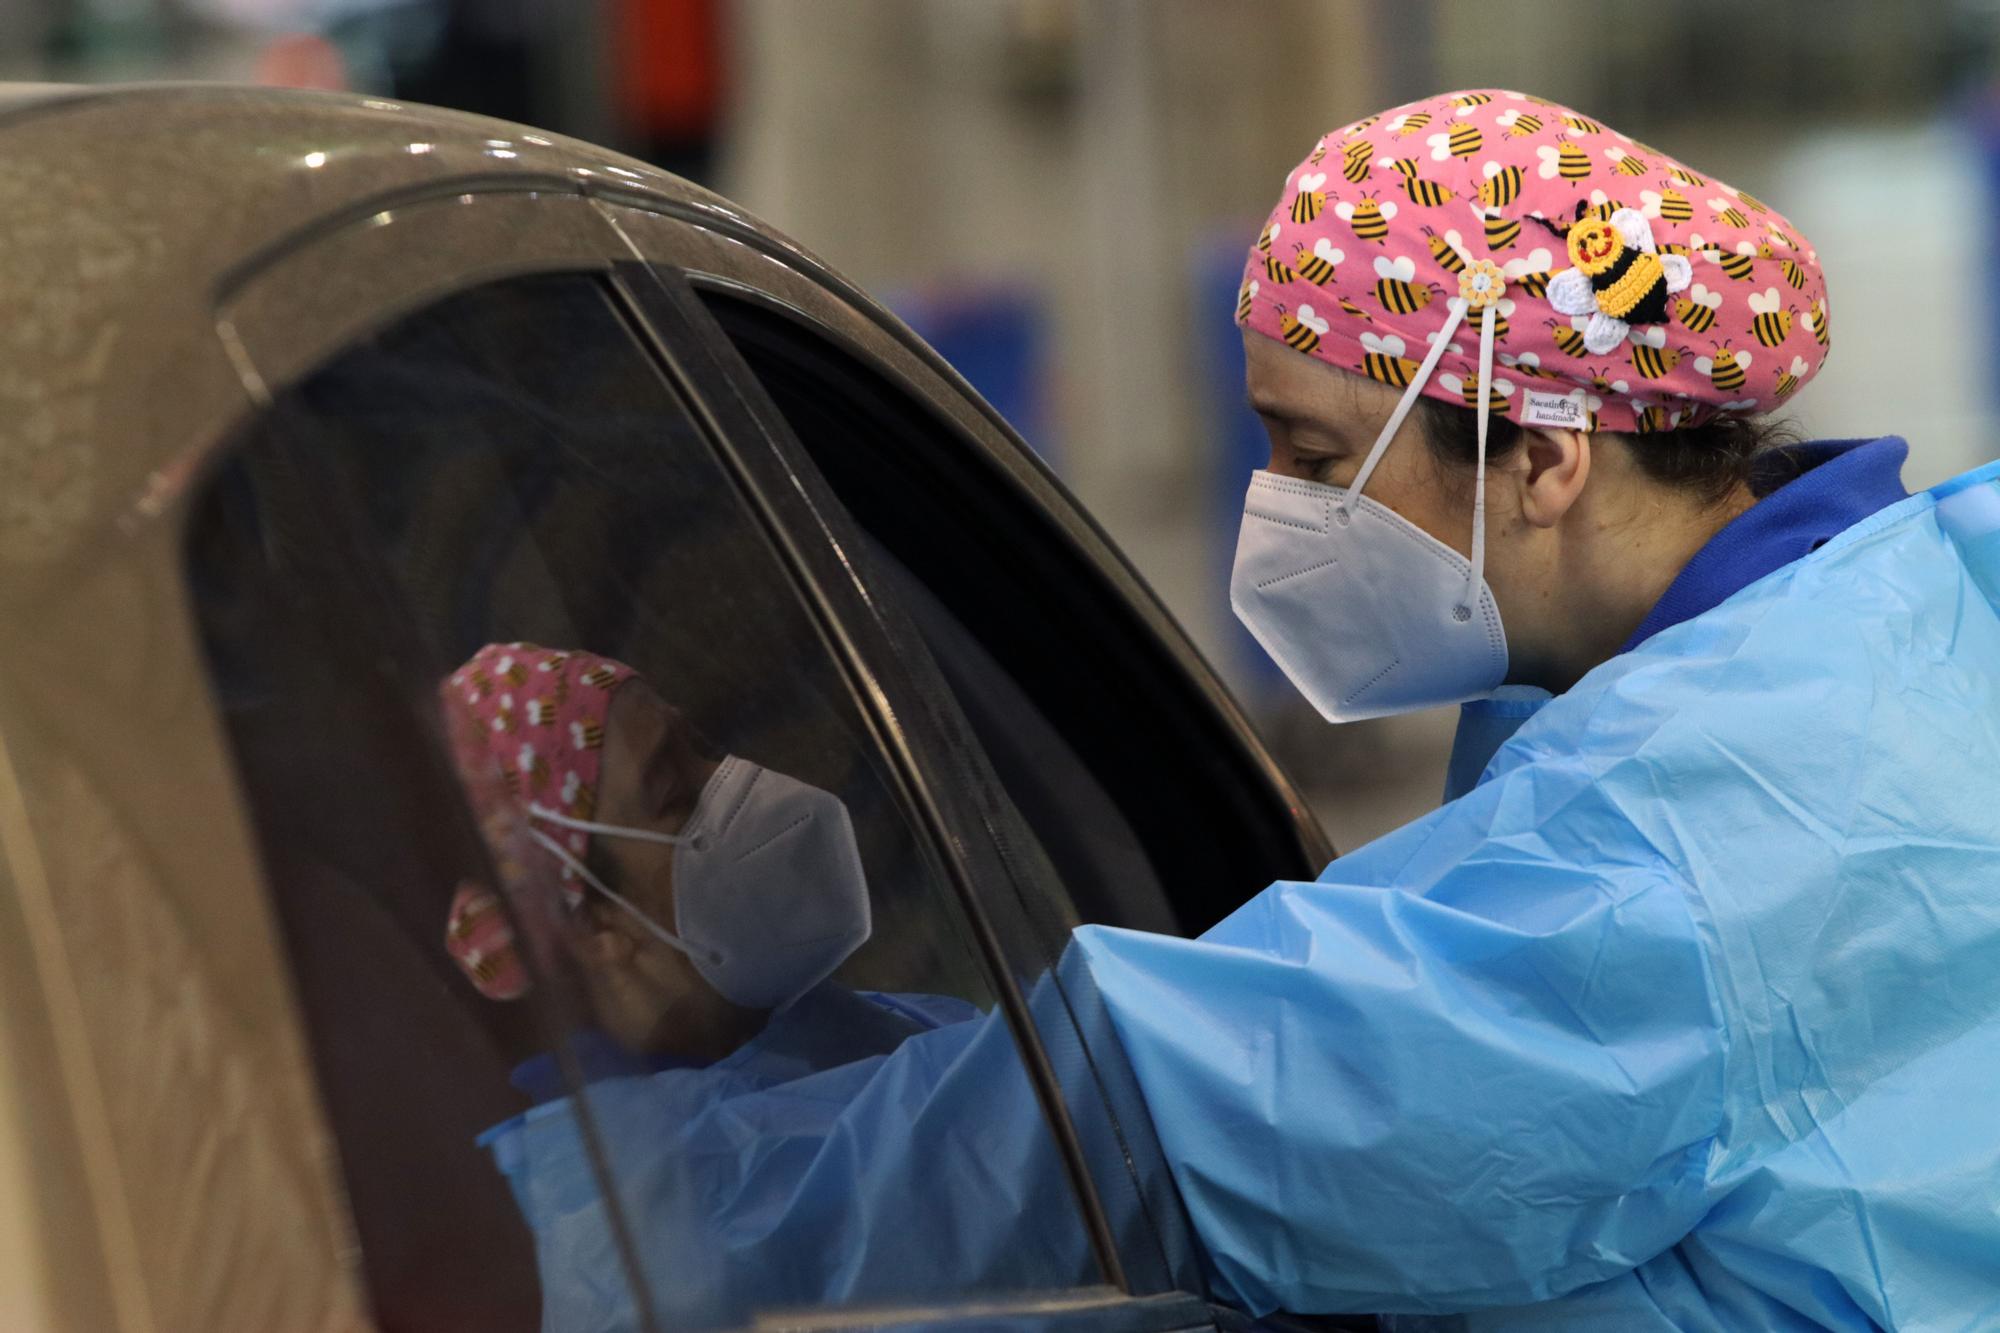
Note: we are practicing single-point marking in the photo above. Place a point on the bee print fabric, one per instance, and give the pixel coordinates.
(1631, 292)
(527, 729)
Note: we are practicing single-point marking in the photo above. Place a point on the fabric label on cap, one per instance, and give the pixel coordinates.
(1539, 408)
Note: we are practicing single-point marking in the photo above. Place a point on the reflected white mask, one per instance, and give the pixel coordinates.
(769, 894)
(1365, 612)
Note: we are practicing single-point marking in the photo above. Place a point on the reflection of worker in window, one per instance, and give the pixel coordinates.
(704, 902)
(696, 894)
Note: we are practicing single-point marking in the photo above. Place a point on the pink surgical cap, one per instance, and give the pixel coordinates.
(1492, 196)
(527, 729)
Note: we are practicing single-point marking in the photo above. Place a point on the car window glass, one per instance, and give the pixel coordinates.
(589, 868)
(994, 632)
(851, 422)
(1087, 838)
(1200, 807)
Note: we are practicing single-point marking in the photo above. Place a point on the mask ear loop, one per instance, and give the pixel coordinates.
(583, 872)
(1463, 611)
(1395, 421)
(541, 811)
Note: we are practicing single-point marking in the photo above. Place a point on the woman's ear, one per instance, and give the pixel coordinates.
(1553, 466)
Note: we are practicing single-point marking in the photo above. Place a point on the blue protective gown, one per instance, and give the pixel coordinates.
(1686, 1017)
(1810, 494)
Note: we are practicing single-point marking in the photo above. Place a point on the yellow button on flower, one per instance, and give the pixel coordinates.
(1481, 283)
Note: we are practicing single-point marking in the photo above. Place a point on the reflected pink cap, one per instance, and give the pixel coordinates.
(527, 728)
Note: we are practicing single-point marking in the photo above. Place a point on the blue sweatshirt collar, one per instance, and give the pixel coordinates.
(1815, 492)
(1839, 483)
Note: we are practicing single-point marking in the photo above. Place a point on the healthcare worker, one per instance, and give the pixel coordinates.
(1684, 1012)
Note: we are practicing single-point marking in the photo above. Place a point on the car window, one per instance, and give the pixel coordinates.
(1044, 819)
(596, 884)
(1142, 800)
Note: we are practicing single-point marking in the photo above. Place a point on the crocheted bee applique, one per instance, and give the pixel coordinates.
(1619, 278)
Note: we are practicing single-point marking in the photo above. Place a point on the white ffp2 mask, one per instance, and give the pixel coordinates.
(1359, 606)
(1364, 611)
(769, 894)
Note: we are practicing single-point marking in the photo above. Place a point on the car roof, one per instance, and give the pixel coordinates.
(258, 143)
(126, 213)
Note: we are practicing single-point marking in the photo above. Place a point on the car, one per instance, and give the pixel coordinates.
(307, 397)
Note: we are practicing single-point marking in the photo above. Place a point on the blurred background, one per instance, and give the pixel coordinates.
(1059, 193)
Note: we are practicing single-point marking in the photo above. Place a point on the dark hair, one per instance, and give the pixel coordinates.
(1708, 461)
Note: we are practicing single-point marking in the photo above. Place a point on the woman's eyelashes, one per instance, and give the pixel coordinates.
(1327, 469)
(1313, 456)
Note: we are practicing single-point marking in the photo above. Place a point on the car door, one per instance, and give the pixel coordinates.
(472, 432)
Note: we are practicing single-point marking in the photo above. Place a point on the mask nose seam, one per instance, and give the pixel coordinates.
(805, 818)
(1297, 573)
(1289, 522)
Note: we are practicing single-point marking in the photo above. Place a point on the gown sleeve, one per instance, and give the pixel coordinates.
(763, 1184)
(1476, 1063)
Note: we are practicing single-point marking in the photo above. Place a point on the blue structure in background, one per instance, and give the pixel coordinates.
(997, 337)
(1981, 116)
(1240, 445)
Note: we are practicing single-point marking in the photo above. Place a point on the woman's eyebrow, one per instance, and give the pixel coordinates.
(1264, 407)
(1292, 416)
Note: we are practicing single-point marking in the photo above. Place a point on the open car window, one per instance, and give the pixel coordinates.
(1047, 832)
(599, 892)
(1145, 803)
